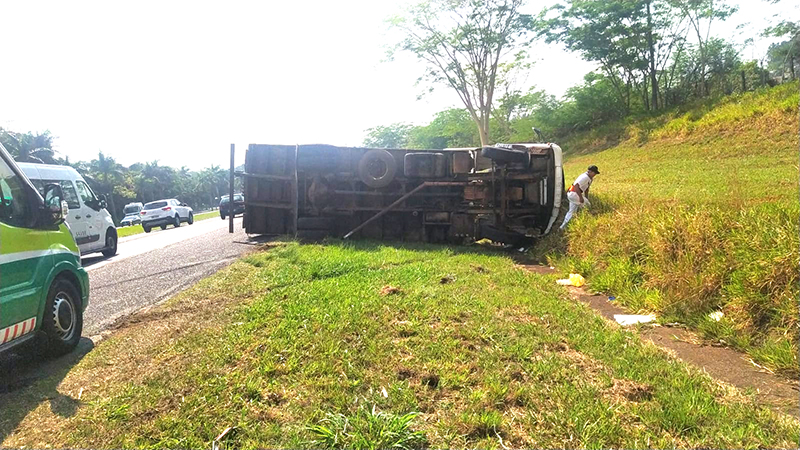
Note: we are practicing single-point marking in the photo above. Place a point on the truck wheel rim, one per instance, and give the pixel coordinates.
(63, 316)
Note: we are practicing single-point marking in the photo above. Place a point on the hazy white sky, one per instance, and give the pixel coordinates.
(179, 81)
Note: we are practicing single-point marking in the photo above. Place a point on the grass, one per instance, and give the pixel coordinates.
(694, 212)
(136, 229)
(363, 345)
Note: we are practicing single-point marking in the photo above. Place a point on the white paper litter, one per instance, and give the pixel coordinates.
(716, 316)
(631, 319)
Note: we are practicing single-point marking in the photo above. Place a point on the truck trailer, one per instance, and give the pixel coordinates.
(508, 193)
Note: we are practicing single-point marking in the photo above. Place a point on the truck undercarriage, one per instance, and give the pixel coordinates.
(509, 193)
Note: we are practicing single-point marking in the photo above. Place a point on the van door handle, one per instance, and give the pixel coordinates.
(77, 217)
(88, 216)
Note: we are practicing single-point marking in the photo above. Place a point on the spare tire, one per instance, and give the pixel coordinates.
(377, 168)
(506, 155)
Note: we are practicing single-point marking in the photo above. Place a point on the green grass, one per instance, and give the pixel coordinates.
(136, 229)
(695, 211)
(364, 345)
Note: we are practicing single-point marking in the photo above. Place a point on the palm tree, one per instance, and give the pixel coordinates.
(107, 172)
(29, 147)
(148, 181)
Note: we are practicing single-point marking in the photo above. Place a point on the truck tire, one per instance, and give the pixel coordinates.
(62, 322)
(146, 228)
(377, 168)
(506, 155)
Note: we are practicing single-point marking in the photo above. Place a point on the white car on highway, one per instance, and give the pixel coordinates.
(161, 213)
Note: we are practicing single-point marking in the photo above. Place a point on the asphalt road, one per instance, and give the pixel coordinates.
(149, 268)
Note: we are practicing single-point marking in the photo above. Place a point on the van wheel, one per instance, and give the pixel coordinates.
(146, 229)
(62, 323)
(177, 221)
(111, 243)
(222, 216)
(163, 227)
(191, 218)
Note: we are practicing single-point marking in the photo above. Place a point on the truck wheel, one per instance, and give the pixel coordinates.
(177, 221)
(506, 155)
(191, 218)
(146, 229)
(222, 216)
(62, 323)
(111, 243)
(377, 168)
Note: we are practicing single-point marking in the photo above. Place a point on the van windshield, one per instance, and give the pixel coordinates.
(131, 210)
(155, 205)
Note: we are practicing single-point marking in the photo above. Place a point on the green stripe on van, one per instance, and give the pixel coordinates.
(18, 240)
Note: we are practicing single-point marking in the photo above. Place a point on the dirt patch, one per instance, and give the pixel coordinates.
(431, 380)
(447, 279)
(479, 268)
(722, 363)
(629, 390)
(390, 290)
(404, 373)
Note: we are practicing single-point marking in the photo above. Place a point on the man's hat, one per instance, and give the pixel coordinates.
(594, 169)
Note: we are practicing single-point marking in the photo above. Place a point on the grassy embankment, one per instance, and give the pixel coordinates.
(374, 346)
(136, 229)
(696, 211)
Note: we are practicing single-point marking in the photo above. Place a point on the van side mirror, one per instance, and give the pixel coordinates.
(55, 209)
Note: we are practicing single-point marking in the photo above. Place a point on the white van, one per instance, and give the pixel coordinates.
(91, 225)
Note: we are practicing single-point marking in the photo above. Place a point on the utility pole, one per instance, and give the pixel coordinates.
(230, 198)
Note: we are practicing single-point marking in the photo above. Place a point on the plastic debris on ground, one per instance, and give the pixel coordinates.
(612, 298)
(574, 280)
(716, 316)
(632, 319)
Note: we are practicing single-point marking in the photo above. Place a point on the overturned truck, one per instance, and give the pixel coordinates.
(508, 193)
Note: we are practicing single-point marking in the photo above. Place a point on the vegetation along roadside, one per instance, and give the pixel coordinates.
(696, 213)
(365, 345)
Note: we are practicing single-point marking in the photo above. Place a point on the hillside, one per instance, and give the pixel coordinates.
(695, 211)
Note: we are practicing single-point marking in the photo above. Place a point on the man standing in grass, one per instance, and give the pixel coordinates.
(578, 192)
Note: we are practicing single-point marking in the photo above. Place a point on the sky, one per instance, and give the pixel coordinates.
(179, 81)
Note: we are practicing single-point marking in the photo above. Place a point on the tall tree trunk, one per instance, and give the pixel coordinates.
(652, 50)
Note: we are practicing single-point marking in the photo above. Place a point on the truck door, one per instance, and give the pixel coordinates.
(25, 259)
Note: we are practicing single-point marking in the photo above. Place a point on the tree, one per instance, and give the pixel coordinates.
(463, 43)
(784, 57)
(450, 128)
(701, 14)
(107, 173)
(29, 147)
(631, 40)
(395, 135)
